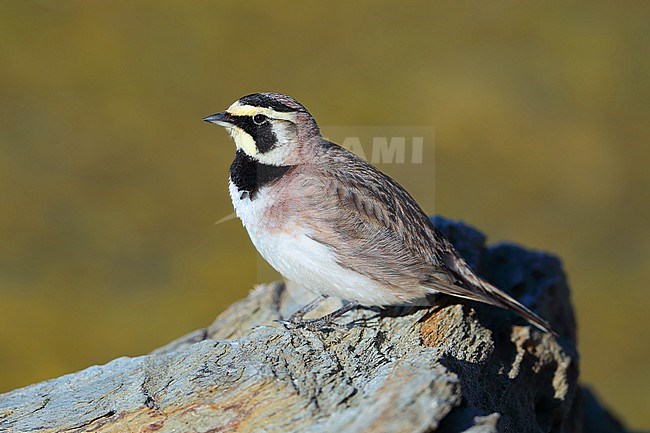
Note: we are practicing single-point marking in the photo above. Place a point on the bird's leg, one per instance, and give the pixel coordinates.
(298, 315)
(325, 321)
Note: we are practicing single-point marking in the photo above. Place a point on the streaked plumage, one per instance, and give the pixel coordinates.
(331, 222)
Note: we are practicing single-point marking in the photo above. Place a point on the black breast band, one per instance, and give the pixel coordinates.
(250, 175)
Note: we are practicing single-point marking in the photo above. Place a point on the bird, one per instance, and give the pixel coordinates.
(330, 221)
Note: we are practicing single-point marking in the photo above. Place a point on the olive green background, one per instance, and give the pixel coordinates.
(110, 184)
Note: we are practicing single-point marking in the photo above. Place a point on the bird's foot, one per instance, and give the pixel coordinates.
(298, 315)
(314, 325)
(324, 323)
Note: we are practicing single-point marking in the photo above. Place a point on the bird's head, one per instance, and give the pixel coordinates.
(269, 127)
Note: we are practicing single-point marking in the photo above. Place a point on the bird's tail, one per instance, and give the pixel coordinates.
(501, 299)
(477, 289)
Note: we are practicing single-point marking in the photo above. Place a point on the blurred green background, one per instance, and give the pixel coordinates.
(110, 184)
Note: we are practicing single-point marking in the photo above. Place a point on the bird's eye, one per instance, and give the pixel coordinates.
(259, 119)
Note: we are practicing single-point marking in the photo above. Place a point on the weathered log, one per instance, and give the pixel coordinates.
(456, 367)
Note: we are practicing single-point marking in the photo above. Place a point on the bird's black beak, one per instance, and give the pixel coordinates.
(222, 119)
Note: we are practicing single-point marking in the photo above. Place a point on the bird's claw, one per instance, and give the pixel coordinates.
(312, 325)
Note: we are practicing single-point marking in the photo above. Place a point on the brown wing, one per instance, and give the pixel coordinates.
(372, 222)
(379, 230)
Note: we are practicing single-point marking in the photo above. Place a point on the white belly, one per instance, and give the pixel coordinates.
(297, 257)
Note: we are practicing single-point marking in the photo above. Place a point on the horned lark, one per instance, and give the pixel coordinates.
(331, 222)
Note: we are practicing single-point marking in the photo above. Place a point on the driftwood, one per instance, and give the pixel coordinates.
(457, 367)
